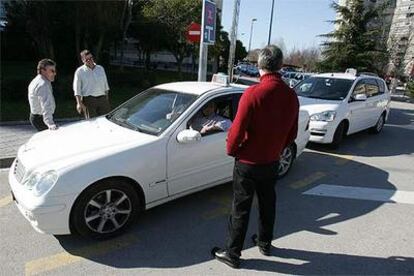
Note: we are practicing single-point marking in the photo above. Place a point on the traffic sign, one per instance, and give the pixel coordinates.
(193, 33)
(209, 23)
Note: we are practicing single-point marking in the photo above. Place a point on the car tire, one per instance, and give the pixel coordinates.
(286, 161)
(379, 125)
(338, 135)
(105, 209)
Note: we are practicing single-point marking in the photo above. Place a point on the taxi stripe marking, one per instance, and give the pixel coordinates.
(307, 180)
(5, 201)
(62, 259)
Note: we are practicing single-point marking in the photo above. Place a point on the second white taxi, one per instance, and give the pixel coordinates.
(93, 177)
(340, 104)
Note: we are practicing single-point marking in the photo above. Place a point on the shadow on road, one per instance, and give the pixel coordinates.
(181, 233)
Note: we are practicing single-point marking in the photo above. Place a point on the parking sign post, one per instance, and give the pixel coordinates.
(208, 36)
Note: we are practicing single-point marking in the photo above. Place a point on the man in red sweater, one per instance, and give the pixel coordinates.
(266, 122)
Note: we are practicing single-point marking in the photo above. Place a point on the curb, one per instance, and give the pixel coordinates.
(12, 123)
(401, 98)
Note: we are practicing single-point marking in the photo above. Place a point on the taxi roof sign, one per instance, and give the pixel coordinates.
(221, 78)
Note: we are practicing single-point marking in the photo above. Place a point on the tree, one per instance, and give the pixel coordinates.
(306, 58)
(354, 42)
(61, 29)
(175, 16)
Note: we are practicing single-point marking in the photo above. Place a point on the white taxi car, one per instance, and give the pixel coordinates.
(343, 103)
(93, 177)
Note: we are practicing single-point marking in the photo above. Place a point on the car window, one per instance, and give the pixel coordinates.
(324, 88)
(360, 88)
(152, 111)
(381, 86)
(371, 88)
(218, 111)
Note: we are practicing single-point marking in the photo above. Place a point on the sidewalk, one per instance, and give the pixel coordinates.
(12, 137)
(15, 134)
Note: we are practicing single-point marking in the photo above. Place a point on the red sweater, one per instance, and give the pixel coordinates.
(266, 121)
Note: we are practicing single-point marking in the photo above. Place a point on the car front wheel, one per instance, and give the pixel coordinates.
(105, 209)
(286, 160)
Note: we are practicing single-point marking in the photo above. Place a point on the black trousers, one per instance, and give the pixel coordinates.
(37, 122)
(248, 179)
(96, 106)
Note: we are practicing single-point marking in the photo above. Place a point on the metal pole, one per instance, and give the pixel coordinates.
(233, 38)
(271, 22)
(251, 33)
(202, 64)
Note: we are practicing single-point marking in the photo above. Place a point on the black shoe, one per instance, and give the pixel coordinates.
(264, 247)
(224, 257)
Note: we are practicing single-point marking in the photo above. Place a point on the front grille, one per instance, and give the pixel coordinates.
(19, 171)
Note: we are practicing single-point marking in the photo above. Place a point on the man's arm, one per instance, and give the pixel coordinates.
(106, 83)
(47, 103)
(77, 89)
(240, 124)
(294, 129)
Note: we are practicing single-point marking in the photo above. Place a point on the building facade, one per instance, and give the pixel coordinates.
(398, 26)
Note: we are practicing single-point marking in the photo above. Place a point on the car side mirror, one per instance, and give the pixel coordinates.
(188, 136)
(360, 97)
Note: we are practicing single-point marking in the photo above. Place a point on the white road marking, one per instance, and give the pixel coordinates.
(384, 195)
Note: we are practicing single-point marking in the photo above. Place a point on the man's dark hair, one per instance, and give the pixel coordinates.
(44, 63)
(270, 58)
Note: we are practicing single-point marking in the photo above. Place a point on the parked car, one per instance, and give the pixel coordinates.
(93, 177)
(341, 104)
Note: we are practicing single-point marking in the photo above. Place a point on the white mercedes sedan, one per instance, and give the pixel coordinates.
(93, 177)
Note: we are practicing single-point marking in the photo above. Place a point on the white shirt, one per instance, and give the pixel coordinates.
(41, 99)
(90, 82)
(212, 120)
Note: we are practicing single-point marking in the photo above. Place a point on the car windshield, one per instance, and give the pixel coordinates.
(152, 111)
(324, 88)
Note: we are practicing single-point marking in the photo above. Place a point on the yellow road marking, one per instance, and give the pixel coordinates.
(343, 159)
(307, 180)
(224, 202)
(5, 200)
(362, 145)
(218, 212)
(65, 258)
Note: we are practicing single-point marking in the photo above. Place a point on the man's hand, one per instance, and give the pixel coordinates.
(80, 107)
(53, 127)
(208, 128)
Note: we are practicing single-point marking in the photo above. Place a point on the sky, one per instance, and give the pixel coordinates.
(295, 22)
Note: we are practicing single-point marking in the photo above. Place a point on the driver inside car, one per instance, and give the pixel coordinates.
(207, 121)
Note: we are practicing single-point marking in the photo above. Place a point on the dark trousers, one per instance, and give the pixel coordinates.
(37, 122)
(248, 179)
(96, 106)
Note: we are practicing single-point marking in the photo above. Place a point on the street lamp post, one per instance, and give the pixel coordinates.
(271, 22)
(251, 33)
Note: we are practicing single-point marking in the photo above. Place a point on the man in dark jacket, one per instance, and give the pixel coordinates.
(266, 122)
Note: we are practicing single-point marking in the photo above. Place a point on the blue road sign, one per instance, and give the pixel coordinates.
(209, 23)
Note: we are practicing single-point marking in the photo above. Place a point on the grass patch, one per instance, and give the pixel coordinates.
(16, 76)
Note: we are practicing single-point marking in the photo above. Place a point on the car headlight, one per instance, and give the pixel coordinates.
(326, 116)
(40, 183)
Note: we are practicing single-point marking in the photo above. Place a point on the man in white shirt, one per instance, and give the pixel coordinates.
(91, 87)
(40, 94)
(208, 121)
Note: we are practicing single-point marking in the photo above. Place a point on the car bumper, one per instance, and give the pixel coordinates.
(48, 216)
(321, 132)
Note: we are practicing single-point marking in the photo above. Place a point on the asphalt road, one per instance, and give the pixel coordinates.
(348, 211)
